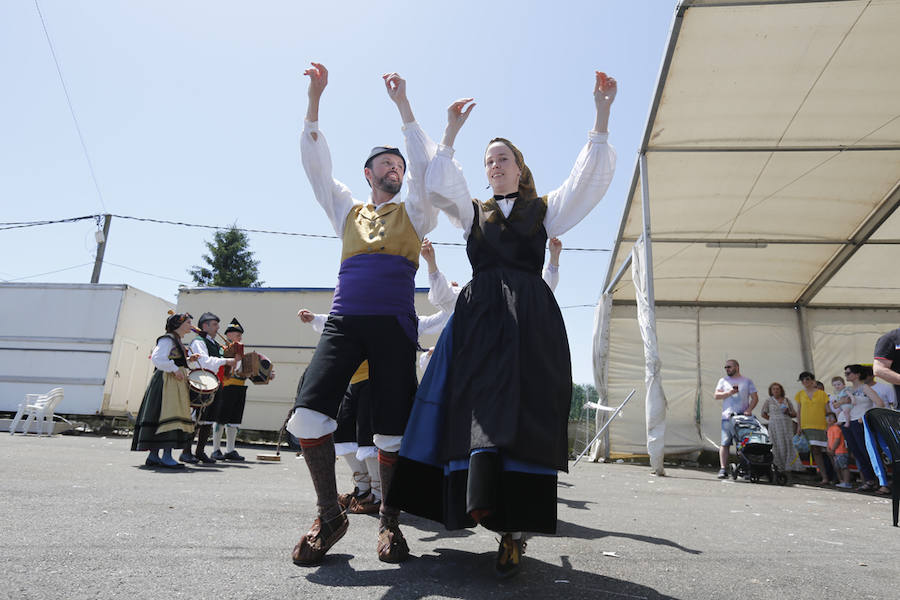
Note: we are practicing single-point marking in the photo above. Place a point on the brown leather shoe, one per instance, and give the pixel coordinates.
(367, 505)
(311, 548)
(344, 500)
(392, 547)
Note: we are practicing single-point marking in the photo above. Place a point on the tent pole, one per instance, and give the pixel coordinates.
(648, 251)
(803, 324)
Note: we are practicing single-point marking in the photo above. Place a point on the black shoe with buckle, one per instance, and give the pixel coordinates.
(202, 457)
(233, 456)
(509, 556)
(187, 457)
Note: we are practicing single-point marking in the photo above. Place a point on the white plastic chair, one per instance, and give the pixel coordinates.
(38, 407)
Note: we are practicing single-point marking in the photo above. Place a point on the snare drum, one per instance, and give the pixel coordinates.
(204, 384)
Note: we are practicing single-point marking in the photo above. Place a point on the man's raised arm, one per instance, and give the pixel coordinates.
(332, 195)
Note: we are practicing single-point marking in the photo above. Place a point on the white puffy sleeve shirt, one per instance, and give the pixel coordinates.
(567, 205)
(210, 363)
(336, 199)
(160, 355)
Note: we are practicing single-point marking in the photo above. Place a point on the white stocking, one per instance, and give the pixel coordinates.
(374, 476)
(230, 437)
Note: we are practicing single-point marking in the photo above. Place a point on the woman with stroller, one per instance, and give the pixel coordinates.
(779, 411)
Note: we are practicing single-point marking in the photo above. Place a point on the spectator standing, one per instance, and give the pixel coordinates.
(738, 396)
(837, 451)
(864, 398)
(811, 403)
(779, 411)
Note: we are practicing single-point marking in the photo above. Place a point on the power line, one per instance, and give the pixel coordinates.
(48, 272)
(106, 262)
(71, 109)
(20, 224)
(23, 224)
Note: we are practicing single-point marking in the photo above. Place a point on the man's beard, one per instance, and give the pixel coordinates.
(388, 185)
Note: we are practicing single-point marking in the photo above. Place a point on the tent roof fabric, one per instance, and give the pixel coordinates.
(773, 157)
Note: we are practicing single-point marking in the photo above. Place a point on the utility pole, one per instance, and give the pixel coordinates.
(101, 248)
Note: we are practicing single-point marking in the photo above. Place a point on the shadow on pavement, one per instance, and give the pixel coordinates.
(468, 576)
(571, 530)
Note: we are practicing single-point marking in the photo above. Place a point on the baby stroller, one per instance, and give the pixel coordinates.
(754, 451)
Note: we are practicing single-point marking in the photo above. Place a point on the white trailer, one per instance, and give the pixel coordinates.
(269, 318)
(93, 340)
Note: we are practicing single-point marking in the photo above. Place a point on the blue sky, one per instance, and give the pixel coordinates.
(190, 111)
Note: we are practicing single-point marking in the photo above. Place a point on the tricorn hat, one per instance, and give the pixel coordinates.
(235, 325)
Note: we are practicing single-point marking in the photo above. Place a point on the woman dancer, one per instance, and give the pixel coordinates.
(164, 419)
(496, 396)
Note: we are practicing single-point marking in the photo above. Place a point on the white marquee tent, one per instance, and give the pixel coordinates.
(767, 186)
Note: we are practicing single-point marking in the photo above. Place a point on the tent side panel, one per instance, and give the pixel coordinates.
(677, 331)
(841, 337)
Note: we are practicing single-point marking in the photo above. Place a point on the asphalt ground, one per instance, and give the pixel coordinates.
(82, 518)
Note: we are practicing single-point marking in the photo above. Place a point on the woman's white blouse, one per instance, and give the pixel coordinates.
(160, 355)
(566, 206)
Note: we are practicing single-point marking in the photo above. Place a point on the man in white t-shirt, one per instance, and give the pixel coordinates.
(738, 396)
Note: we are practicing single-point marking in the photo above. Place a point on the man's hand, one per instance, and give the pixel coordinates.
(457, 113)
(428, 255)
(318, 79)
(555, 250)
(305, 315)
(396, 87)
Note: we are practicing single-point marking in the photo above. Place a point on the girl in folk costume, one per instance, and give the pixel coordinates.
(230, 410)
(164, 419)
(488, 431)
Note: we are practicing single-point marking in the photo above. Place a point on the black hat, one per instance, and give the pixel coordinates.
(378, 150)
(175, 320)
(234, 326)
(207, 316)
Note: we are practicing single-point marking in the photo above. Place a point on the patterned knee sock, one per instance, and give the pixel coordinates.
(319, 456)
(387, 465)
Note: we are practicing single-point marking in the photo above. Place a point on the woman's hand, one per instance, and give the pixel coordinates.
(555, 250)
(428, 254)
(605, 89)
(457, 113)
(179, 375)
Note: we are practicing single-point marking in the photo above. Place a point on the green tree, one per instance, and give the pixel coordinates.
(230, 262)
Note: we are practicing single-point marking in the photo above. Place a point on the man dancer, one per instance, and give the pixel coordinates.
(372, 316)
